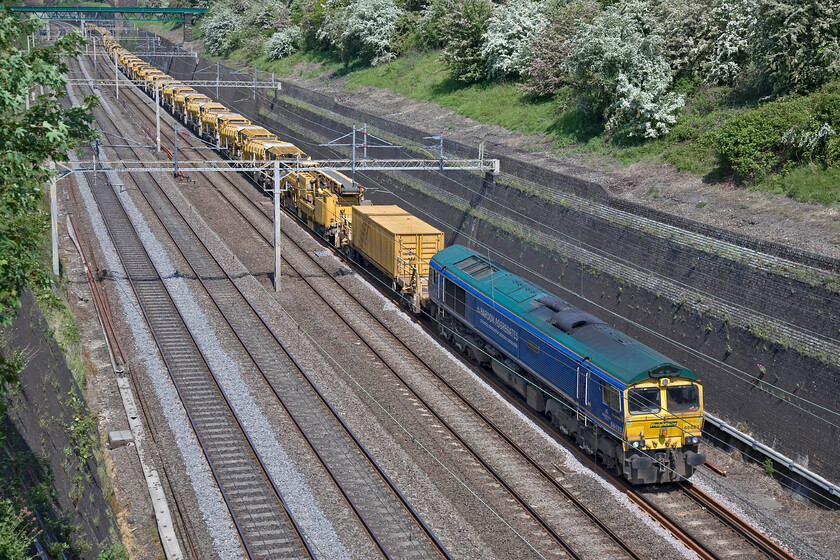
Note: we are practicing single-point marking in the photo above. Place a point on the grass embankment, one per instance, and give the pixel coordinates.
(712, 115)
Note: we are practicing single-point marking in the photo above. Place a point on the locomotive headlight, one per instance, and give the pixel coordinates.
(635, 444)
(693, 439)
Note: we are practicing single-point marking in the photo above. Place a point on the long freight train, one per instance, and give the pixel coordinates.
(639, 413)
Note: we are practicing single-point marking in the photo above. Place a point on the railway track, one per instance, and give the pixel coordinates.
(255, 504)
(393, 525)
(722, 545)
(706, 526)
(263, 523)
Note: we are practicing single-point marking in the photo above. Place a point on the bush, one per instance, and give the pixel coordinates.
(283, 43)
(752, 144)
(266, 15)
(431, 22)
(310, 15)
(17, 531)
(545, 72)
(616, 63)
(462, 28)
(507, 42)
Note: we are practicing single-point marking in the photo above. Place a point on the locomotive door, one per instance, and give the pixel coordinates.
(583, 381)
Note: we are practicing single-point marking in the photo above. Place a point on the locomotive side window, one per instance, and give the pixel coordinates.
(433, 277)
(455, 297)
(644, 401)
(683, 398)
(611, 397)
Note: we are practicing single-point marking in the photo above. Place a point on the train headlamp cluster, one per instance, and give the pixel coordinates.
(693, 439)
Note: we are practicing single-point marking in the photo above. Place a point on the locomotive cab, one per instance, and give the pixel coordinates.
(662, 429)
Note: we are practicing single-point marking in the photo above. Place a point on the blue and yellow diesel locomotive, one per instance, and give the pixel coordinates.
(639, 413)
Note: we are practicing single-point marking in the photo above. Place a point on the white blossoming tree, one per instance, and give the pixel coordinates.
(362, 29)
(733, 44)
(798, 43)
(507, 41)
(284, 42)
(218, 29)
(616, 62)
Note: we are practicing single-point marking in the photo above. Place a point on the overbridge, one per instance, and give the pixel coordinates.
(109, 13)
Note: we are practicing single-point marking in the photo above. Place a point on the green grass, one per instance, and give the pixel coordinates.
(424, 77)
(303, 65)
(812, 183)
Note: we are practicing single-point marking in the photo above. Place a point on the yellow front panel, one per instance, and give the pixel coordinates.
(664, 428)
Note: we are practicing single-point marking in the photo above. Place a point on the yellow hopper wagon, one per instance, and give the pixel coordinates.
(159, 81)
(204, 112)
(196, 112)
(228, 136)
(149, 80)
(261, 149)
(245, 134)
(146, 73)
(399, 245)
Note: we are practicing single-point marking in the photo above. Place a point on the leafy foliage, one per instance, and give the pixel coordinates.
(782, 134)
(798, 43)
(732, 40)
(284, 42)
(17, 531)
(28, 138)
(616, 62)
(431, 22)
(545, 73)
(507, 42)
(266, 15)
(688, 30)
(462, 28)
(752, 146)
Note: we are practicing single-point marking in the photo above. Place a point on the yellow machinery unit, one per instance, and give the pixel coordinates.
(169, 92)
(181, 98)
(228, 138)
(324, 199)
(196, 113)
(398, 244)
(214, 123)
